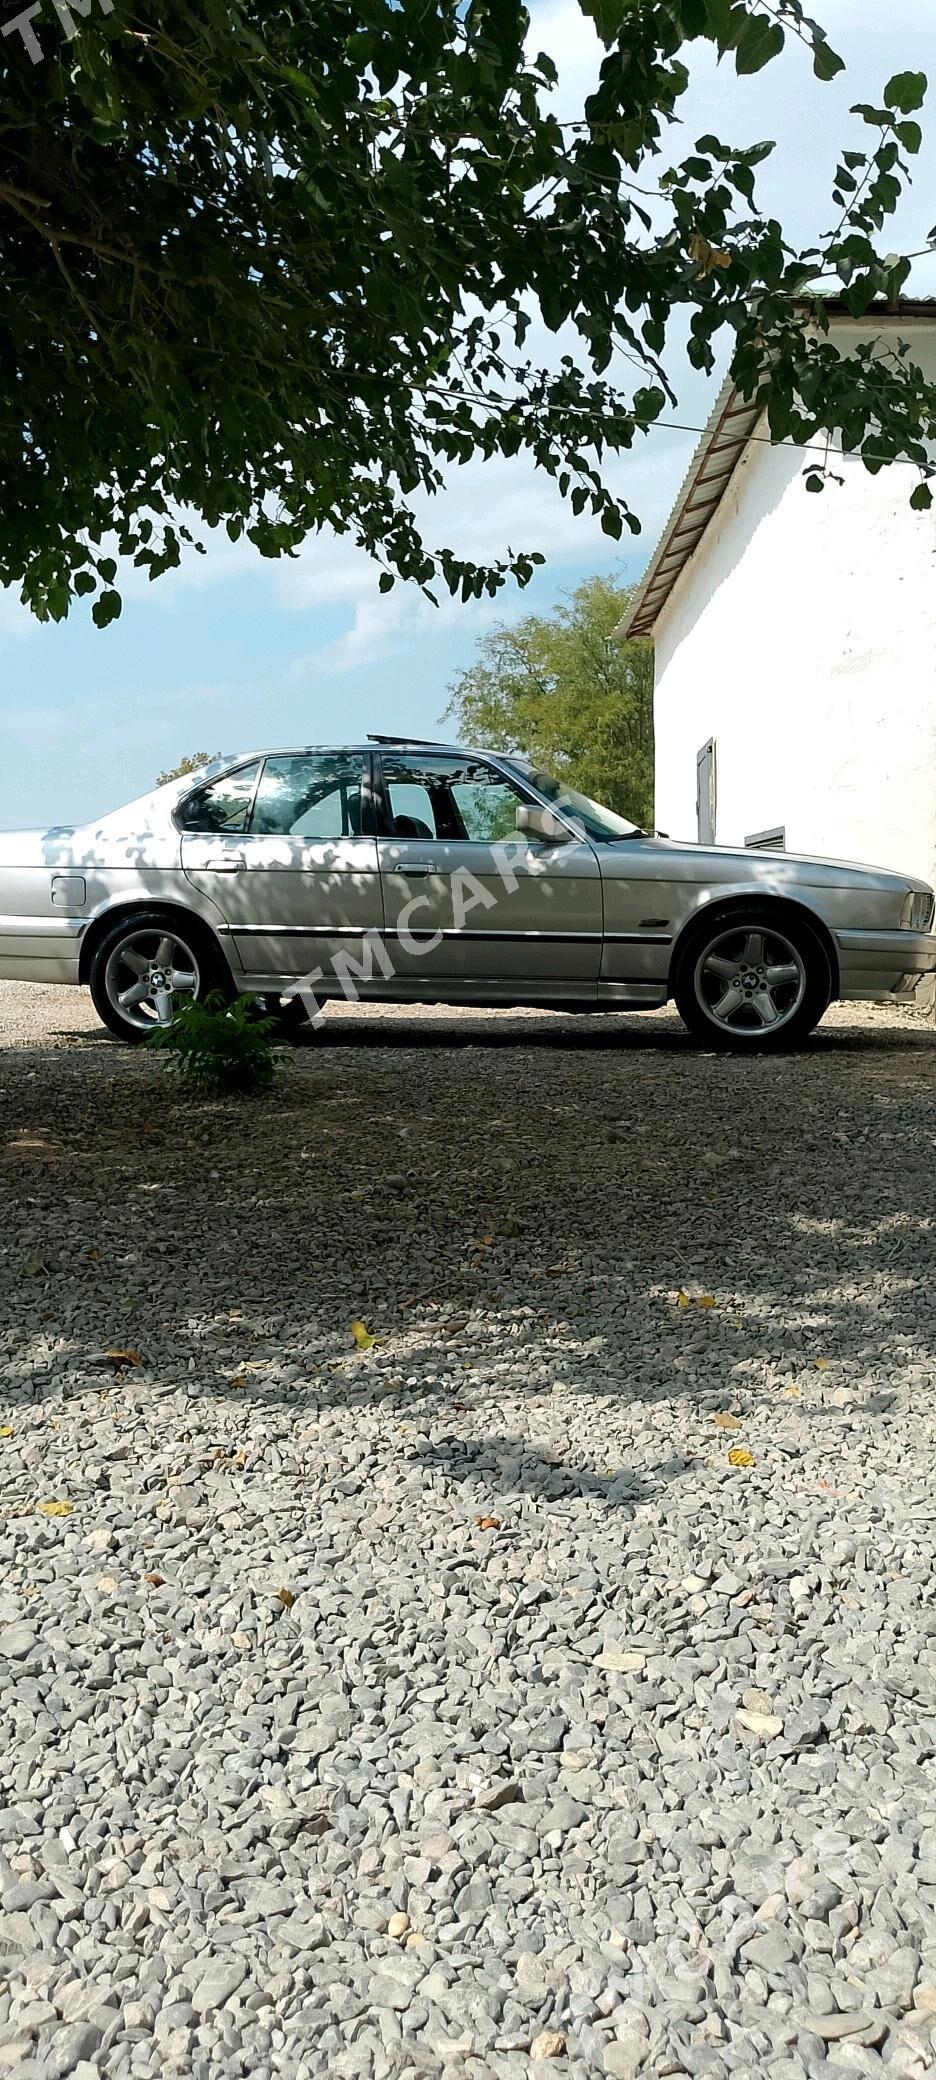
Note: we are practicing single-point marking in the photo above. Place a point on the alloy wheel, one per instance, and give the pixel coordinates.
(148, 974)
(750, 980)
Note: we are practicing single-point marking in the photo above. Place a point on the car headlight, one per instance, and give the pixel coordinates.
(917, 912)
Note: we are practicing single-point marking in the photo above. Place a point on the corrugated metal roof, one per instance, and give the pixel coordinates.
(713, 465)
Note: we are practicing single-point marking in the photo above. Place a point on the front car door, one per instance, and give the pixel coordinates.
(285, 849)
(474, 908)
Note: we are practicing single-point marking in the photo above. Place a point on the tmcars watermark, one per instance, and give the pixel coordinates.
(22, 24)
(467, 894)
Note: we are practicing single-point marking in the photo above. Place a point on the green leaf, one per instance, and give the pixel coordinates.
(826, 62)
(106, 609)
(718, 17)
(607, 16)
(759, 41)
(921, 499)
(906, 91)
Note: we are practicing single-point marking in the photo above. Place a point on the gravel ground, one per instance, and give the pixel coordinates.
(546, 1688)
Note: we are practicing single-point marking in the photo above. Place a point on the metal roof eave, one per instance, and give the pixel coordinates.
(710, 472)
(724, 440)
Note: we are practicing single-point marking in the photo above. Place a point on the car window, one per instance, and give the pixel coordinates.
(455, 798)
(487, 806)
(411, 802)
(593, 818)
(313, 795)
(223, 806)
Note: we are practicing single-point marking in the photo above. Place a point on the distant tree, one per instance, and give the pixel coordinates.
(191, 764)
(564, 690)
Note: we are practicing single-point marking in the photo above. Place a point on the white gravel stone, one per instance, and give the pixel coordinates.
(374, 1713)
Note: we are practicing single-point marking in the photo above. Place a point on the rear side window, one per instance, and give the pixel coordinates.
(222, 806)
(312, 795)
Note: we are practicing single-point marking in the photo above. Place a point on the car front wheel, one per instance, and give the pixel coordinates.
(144, 968)
(750, 981)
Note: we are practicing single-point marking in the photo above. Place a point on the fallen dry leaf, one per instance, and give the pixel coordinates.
(156, 1581)
(362, 1337)
(286, 1598)
(822, 1364)
(119, 1357)
(488, 1523)
(706, 1300)
(6, 1430)
(727, 1422)
(55, 1509)
(740, 1457)
(794, 1392)
(32, 1266)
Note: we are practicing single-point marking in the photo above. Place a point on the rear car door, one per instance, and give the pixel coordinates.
(286, 851)
(472, 906)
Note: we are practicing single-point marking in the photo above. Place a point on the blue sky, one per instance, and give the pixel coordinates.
(232, 651)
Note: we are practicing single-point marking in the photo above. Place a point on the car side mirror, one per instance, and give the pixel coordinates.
(541, 823)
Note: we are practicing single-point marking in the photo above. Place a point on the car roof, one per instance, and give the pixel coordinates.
(226, 760)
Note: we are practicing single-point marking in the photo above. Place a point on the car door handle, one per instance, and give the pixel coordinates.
(417, 871)
(223, 866)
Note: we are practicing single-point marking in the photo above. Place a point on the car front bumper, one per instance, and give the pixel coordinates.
(40, 949)
(900, 966)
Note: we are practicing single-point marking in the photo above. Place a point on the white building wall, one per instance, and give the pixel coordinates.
(802, 637)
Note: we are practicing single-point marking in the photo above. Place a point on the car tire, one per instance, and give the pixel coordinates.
(752, 980)
(132, 947)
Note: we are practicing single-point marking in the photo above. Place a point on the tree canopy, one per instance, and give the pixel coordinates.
(273, 268)
(564, 690)
(191, 763)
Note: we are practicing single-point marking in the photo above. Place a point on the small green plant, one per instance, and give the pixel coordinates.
(224, 1048)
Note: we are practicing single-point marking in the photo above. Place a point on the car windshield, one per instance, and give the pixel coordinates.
(596, 820)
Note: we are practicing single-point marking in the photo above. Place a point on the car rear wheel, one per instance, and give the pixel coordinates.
(752, 980)
(146, 967)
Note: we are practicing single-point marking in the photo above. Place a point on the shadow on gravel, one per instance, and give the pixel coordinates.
(507, 1465)
(585, 1032)
(469, 1212)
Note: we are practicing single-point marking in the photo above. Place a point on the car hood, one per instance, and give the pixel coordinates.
(743, 862)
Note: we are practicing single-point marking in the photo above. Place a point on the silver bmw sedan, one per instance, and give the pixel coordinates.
(424, 873)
